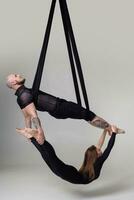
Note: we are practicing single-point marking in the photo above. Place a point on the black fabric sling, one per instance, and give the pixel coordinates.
(40, 66)
(72, 51)
(64, 7)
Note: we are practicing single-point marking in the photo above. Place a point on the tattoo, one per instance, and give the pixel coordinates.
(100, 123)
(36, 122)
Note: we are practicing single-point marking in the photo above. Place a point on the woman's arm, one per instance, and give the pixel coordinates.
(101, 139)
(108, 149)
(102, 158)
(110, 145)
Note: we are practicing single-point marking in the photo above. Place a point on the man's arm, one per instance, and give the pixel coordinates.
(99, 122)
(27, 118)
(28, 123)
(31, 117)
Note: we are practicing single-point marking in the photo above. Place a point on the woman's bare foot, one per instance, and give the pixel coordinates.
(25, 132)
(29, 133)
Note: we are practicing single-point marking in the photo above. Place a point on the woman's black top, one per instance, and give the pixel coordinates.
(57, 107)
(68, 172)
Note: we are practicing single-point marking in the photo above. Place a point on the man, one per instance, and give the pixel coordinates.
(56, 107)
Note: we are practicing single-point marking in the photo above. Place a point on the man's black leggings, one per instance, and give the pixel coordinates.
(67, 109)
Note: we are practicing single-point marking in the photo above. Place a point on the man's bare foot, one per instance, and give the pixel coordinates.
(120, 131)
(117, 130)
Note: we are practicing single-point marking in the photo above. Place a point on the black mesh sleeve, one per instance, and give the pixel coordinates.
(25, 99)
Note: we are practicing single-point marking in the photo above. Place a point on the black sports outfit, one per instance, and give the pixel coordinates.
(68, 172)
(61, 109)
(58, 108)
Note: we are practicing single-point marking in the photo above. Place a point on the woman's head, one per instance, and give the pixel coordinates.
(90, 157)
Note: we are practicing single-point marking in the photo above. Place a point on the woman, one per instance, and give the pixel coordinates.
(93, 159)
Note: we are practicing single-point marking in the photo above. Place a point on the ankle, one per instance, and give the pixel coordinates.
(40, 138)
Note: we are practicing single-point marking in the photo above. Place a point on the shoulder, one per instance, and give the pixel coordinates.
(26, 93)
(25, 98)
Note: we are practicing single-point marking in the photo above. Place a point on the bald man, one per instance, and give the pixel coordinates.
(56, 107)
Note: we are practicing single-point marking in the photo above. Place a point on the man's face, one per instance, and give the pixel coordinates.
(15, 79)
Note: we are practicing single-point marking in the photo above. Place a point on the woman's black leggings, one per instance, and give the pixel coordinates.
(66, 172)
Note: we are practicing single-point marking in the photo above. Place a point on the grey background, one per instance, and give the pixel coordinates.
(104, 33)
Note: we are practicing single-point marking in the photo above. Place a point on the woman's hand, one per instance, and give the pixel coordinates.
(114, 129)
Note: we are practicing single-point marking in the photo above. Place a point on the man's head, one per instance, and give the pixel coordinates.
(14, 80)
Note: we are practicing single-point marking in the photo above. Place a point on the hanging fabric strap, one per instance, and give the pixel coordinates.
(39, 72)
(70, 53)
(68, 23)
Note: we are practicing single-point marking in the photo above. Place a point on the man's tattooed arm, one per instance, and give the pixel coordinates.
(36, 122)
(28, 123)
(99, 122)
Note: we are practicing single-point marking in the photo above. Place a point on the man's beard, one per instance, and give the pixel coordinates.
(22, 82)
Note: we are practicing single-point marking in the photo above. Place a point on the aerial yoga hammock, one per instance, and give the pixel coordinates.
(57, 107)
(89, 170)
(72, 51)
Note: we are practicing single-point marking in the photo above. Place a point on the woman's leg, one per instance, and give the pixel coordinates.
(66, 172)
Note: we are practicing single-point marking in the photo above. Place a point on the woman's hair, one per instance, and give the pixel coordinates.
(87, 168)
